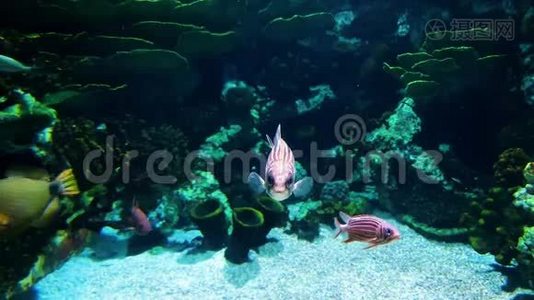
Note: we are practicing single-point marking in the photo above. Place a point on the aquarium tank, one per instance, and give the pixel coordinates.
(277, 149)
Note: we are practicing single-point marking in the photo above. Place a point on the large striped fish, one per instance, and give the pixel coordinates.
(279, 182)
(366, 228)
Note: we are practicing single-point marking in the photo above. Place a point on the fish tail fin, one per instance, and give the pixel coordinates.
(338, 228)
(68, 183)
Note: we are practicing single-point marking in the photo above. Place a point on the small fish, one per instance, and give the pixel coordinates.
(366, 228)
(32, 202)
(10, 65)
(140, 220)
(279, 182)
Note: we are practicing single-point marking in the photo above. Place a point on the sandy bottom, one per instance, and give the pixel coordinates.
(412, 268)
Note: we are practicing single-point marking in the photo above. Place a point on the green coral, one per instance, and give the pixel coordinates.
(162, 33)
(426, 163)
(203, 186)
(202, 43)
(210, 219)
(525, 257)
(298, 26)
(214, 146)
(442, 234)
(82, 43)
(495, 225)
(22, 120)
(330, 209)
(399, 130)
(420, 88)
(442, 64)
(146, 61)
(78, 98)
(407, 60)
(524, 200)
(508, 168)
(305, 217)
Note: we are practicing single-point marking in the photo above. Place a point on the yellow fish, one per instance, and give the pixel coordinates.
(32, 202)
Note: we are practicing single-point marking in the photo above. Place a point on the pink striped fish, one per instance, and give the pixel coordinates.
(279, 182)
(366, 228)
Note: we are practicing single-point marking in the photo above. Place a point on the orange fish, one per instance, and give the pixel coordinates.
(32, 202)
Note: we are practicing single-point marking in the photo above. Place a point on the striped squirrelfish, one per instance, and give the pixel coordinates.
(279, 182)
(366, 228)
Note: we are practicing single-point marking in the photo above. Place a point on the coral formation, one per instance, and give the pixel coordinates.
(274, 213)
(509, 167)
(525, 257)
(202, 187)
(210, 219)
(320, 94)
(443, 62)
(335, 191)
(22, 119)
(399, 129)
(146, 79)
(246, 233)
(213, 146)
(497, 222)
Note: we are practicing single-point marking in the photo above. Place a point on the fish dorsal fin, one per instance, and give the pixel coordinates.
(277, 137)
(365, 215)
(27, 171)
(269, 141)
(344, 217)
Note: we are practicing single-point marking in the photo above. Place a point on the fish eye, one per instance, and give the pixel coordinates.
(388, 232)
(270, 180)
(289, 181)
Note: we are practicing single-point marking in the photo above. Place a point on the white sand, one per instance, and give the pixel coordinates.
(412, 268)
